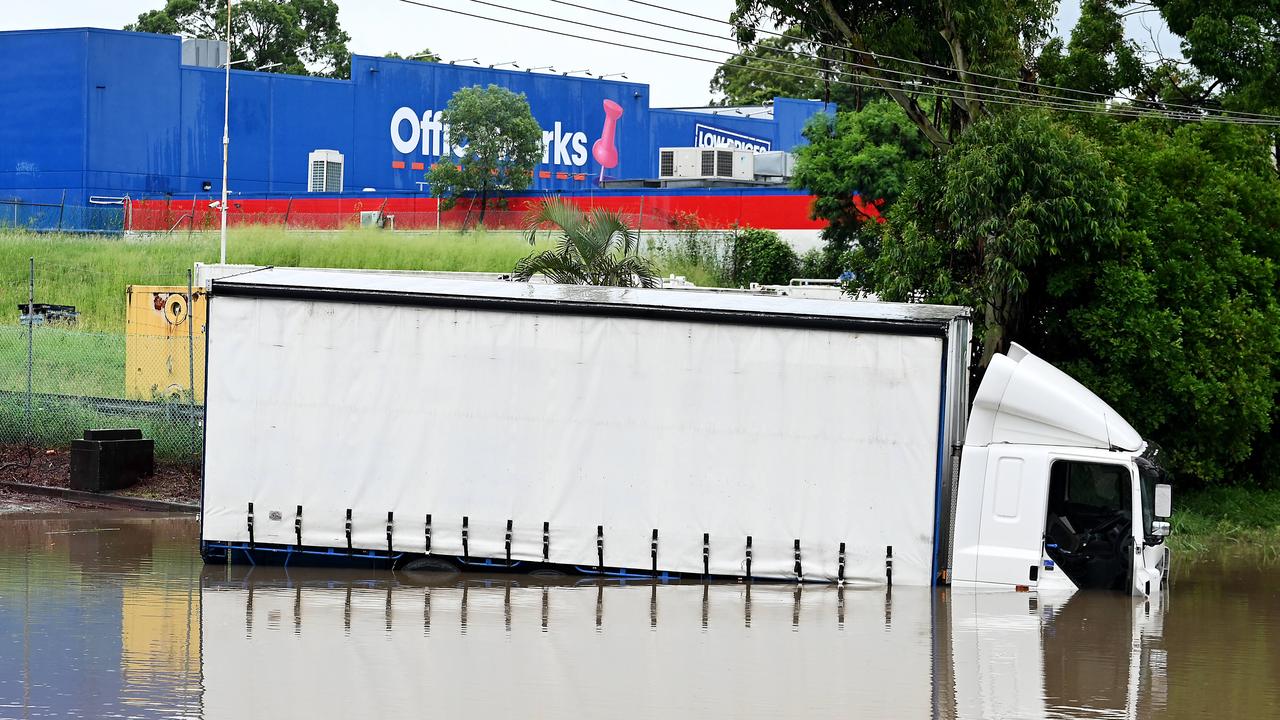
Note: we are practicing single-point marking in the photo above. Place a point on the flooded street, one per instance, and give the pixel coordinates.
(107, 614)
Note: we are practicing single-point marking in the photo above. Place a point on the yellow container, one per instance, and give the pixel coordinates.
(164, 334)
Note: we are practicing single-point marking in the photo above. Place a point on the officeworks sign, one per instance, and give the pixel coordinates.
(709, 137)
(428, 135)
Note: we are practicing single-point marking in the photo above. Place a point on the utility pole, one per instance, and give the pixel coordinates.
(226, 140)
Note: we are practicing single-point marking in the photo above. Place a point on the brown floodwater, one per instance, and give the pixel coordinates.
(108, 614)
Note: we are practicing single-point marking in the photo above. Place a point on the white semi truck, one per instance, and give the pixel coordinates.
(407, 421)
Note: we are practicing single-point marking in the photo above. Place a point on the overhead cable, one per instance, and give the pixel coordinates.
(920, 63)
(921, 85)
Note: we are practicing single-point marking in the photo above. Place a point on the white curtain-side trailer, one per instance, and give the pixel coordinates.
(372, 418)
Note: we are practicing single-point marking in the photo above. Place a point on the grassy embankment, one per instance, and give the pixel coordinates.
(1213, 517)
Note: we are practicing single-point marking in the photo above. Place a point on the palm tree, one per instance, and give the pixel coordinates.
(595, 248)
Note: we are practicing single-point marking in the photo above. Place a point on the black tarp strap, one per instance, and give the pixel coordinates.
(798, 569)
(297, 526)
(600, 549)
(348, 531)
(706, 553)
(653, 550)
(748, 558)
(390, 525)
(546, 541)
(250, 521)
(841, 574)
(888, 564)
(466, 541)
(427, 537)
(508, 541)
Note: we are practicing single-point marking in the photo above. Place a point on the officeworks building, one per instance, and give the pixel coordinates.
(108, 119)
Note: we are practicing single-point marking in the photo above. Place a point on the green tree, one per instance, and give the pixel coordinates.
(760, 256)
(423, 55)
(1097, 57)
(304, 36)
(1180, 331)
(953, 38)
(1236, 43)
(787, 66)
(852, 162)
(1020, 204)
(596, 248)
(503, 144)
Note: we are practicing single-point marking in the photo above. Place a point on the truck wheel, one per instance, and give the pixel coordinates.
(432, 565)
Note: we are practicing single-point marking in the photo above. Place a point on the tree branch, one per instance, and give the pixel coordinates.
(905, 101)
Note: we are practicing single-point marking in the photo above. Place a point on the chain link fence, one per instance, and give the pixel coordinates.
(73, 360)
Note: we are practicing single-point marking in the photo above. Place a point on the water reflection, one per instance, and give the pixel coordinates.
(114, 615)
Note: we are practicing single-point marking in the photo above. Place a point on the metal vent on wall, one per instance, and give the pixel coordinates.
(666, 163)
(708, 163)
(724, 164)
(324, 171)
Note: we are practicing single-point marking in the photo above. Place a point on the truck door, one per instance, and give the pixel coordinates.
(1011, 534)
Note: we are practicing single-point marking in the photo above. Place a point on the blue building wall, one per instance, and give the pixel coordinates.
(93, 112)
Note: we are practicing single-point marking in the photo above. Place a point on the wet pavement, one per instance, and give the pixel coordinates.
(110, 614)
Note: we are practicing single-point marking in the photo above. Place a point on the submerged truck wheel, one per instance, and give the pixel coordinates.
(431, 566)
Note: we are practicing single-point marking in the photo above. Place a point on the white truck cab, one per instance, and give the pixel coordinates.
(1055, 491)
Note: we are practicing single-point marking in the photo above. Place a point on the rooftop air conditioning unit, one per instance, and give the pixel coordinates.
(774, 166)
(705, 164)
(324, 171)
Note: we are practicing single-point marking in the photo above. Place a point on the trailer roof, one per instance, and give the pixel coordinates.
(723, 306)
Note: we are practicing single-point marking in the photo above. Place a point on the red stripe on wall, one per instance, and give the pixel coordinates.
(397, 164)
(418, 166)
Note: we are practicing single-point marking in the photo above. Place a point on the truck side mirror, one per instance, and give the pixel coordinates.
(1161, 528)
(1164, 501)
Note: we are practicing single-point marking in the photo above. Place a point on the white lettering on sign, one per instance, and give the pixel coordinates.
(429, 136)
(713, 137)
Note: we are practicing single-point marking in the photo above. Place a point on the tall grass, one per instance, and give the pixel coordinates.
(91, 272)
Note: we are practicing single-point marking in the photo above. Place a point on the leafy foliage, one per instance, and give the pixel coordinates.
(595, 248)
(760, 256)
(855, 164)
(423, 55)
(1097, 58)
(304, 36)
(1018, 204)
(1235, 42)
(503, 144)
(1181, 332)
(953, 37)
(787, 66)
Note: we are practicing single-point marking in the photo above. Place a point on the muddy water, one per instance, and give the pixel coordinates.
(114, 615)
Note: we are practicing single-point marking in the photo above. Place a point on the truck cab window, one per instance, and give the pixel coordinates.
(1088, 532)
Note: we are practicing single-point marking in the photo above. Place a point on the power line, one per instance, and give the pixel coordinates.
(880, 56)
(994, 98)
(965, 86)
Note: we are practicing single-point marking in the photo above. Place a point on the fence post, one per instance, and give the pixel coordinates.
(191, 355)
(31, 326)
(62, 206)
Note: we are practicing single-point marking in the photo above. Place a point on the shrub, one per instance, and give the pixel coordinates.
(760, 256)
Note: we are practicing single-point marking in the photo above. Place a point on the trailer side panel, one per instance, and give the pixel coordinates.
(604, 428)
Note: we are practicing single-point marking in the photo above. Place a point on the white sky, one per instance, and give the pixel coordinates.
(380, 26)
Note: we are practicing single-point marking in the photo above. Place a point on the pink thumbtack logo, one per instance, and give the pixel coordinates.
(605, 150)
